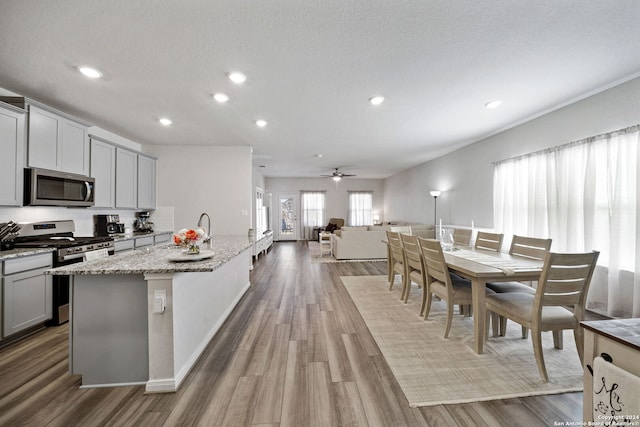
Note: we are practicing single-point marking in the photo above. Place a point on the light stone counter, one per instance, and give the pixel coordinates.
(22, 252)
(138, 318)
(155, 259)
(131, 236)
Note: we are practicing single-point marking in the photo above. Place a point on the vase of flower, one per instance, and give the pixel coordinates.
(189, 240)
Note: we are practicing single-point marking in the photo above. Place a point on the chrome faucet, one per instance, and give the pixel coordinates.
(208, 238)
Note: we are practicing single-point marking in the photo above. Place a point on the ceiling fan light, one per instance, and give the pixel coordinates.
(337, 178)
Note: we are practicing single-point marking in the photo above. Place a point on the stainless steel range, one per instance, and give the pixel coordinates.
(69, 249)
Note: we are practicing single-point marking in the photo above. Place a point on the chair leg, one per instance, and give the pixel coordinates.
(557, 339)
(425, 292)
(407, 291)
(525, 333)
(495, 323)
(447, 327)
(579, 338)
(427, 306)
(392, 279)
(536, 337)
(503, 325)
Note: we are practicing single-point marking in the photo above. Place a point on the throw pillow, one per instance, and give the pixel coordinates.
(330, 228)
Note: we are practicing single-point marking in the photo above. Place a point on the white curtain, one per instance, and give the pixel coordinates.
(584, 196)
(360, 208)
(313, 212)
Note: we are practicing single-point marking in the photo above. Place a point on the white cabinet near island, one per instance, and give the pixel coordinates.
(146, 182)
(126, 178)
(103, 170)
(26, 292)
(140, 318)
(12, 135)
(56, 140)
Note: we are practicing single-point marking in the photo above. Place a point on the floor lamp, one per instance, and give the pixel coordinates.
(435, 194)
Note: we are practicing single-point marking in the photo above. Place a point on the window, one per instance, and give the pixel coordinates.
(584, 196)
(313, 212)
(360, 208)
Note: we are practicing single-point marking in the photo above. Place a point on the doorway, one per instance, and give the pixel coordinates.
(288, 211)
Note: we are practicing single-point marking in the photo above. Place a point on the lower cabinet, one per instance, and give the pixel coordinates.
(26, 293)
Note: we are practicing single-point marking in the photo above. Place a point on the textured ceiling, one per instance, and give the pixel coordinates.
(311, 68)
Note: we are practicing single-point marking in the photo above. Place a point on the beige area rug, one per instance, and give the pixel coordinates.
(432, 370)
(314, 250)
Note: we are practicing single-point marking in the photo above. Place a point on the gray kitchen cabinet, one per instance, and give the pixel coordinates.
(123, 245)
(126, 178)
(103, 169)
(26, 293)
(12, 135)
(56, 141)
(141, 242)
(146, 182)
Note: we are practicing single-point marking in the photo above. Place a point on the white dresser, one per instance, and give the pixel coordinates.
(620, 339)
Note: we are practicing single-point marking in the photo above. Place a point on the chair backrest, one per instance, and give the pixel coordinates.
(434, 262)
(530, 247)
(462, 236)
(489, 241)
(565, 281)
(412, 257)
(339, 222)
(395, 247)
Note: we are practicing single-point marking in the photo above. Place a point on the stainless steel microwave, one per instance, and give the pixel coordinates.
(43, 187)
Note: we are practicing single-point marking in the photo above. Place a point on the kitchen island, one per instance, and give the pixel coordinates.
(140, 318)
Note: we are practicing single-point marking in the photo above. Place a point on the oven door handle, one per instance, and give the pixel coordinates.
(88, 187)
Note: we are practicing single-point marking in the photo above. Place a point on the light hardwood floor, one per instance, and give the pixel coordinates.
(295, 352)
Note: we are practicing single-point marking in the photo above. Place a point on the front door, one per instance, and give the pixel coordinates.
(288, 208)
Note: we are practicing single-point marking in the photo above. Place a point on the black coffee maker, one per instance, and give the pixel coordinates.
(142, 223)
(107, 225)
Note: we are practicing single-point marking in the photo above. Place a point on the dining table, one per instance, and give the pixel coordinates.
(482, 267)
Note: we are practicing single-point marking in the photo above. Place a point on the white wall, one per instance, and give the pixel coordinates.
(337, 194)
(196, 179)
(466, 176)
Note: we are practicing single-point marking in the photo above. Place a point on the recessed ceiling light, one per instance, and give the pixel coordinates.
(90, 72)
(237, 77)
(164, 121)
(261, 123)
(493, 104)
(317, 155)
(376, 100)
(221, 97)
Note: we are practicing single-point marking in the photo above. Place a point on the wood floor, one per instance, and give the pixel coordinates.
(295, 352)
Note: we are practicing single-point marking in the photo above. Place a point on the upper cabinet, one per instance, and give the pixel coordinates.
(103, 169)
(56, 140)
(126, 178)
(12, 137)
(146, 182)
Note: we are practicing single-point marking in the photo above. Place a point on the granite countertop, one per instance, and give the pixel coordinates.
(23, 252)
(624, 331)
(156, 259)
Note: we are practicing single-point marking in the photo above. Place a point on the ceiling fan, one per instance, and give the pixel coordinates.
(337, 175)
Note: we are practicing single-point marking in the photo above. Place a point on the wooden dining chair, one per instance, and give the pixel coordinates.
(564, 282)
(440, 283)
(489, 241)
(396, 258)
(527, 247)
(413, 265)
(462, 237)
